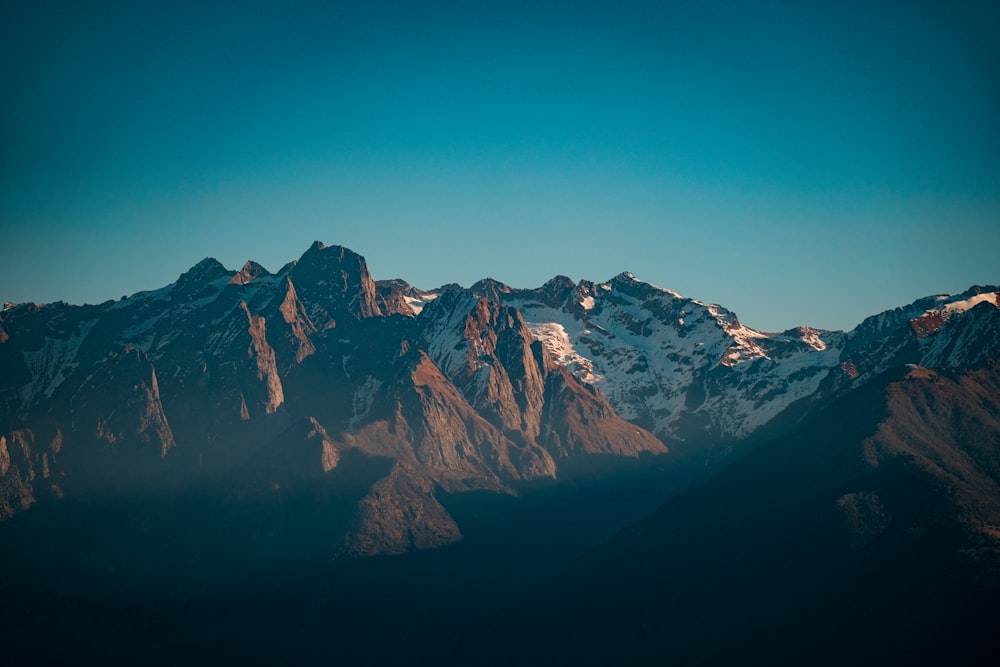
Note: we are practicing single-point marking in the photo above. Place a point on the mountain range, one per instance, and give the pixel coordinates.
(235, 426)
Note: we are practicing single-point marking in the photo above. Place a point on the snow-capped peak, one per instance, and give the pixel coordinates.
(957, 307)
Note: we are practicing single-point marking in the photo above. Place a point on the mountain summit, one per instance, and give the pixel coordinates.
(226, 373)
(244, 440)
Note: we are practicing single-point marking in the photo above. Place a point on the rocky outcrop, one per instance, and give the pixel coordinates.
(119, 403)
(249, 273)
(693, 374)
(485, 349)
(267, 370)
(334, 284)
(302, 328)
(314, 380)
(580, 423)
(686, 370)
(459, 446)
(400, 514)
(267, 383)
(17, 473)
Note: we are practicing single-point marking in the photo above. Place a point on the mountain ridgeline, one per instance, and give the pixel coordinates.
(272, 381)
(314, 435)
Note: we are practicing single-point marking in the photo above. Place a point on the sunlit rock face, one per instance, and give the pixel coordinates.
(255, 385)
(694, 375)
(241, 383)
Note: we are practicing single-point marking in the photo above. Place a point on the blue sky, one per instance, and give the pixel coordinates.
(799, 165)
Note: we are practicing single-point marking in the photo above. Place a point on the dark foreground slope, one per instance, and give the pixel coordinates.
(869, 536)
(198, 582)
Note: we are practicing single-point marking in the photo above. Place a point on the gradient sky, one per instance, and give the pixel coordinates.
(798, 163)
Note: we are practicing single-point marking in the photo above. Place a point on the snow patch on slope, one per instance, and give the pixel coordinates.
(447, 345)
(958, 307)
(417, 304)
(53, 363)
(658, 356)
(553, 335)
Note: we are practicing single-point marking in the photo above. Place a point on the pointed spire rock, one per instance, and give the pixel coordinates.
(250, 272)
(295, 316)
(333, 283)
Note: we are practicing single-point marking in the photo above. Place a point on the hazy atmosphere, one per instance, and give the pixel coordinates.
(798, 165)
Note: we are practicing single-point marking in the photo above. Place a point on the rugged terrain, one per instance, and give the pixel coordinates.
(257, 386)
(320, 446)
(866, 536)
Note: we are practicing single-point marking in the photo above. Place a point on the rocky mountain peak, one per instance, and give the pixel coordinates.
(394, 284)
(555, 291)
(334, 282)
(491, 289)
(626, 283)
(558, 282)
(202, 273)
(487, 387)
(250, 272)
(624, 277)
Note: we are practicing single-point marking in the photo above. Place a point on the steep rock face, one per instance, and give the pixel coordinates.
(394, 296)
(459, 446)
(869, 530)
(692, 372)
(334, 284)
(485, 349)
(17, 472)
(250, 272)
(971, 341)
(262, 352)
(120, 403)
(398, 296)
(302, 328)
(681, 368)
(908, 333)
(206, 377)
(488, 353)
(400, 514)
(579, 423)
(267, 383)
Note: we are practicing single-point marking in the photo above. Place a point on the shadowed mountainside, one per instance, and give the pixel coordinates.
(317, 465)
(867, 536)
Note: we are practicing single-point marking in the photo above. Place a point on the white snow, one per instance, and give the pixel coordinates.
(957, 307)
(949, 351)
(161, 294)
(553, 335)
(53, 363)
(417, 304)
(813, 339)
(647, 361)
(446, 345)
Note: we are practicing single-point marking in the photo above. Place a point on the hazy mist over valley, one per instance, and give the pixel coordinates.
(312, 460)
(635, 332)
